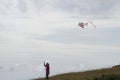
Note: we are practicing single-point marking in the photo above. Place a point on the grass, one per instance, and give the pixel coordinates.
(100, 74)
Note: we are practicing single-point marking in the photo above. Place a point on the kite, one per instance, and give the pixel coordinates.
(85, 24)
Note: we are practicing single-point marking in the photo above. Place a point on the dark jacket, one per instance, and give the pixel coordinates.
(47, 68)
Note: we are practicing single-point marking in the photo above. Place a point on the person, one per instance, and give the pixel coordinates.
(47, 70)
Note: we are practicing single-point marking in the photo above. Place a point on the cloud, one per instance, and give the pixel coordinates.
(89, 7)
(51, 35)
(54, 32)
(73, 7)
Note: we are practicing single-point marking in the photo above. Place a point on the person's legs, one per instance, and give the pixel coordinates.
(47, 76)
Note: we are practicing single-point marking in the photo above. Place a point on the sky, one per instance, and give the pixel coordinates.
(34, 31)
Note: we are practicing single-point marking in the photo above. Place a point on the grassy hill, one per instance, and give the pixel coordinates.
(100, 74)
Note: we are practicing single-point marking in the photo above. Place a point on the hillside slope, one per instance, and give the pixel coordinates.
(100, 74)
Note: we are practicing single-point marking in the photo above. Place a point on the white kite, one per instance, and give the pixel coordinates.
(85, 24)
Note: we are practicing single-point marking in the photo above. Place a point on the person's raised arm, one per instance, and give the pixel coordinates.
(44, 64)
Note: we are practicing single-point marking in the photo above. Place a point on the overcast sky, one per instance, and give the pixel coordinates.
(49, 28)
(26, 23)
(73, 7)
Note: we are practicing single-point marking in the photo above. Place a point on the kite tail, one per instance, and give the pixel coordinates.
(92, 24)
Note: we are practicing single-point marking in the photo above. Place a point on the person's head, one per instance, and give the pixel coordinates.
(47, 64)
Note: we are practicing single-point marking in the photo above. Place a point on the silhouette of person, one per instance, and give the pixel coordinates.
(47, 70)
